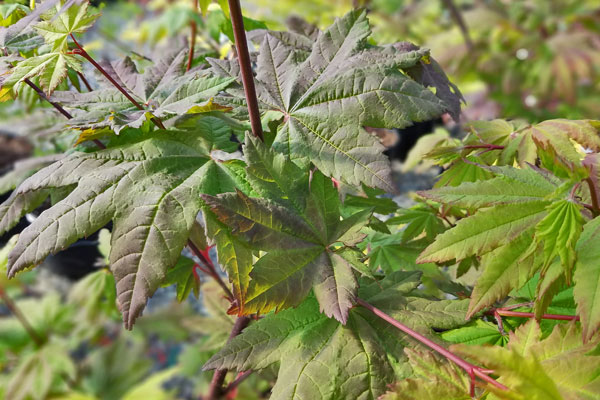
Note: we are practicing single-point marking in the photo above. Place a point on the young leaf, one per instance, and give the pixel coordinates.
(557, 367)
(58, 26)
(182, 274)
(433, 380)
(477, 332)
(560, 230)
(484, 231)
(587, 278)
(51, 68)
(321, 358)
(150, 189)
(328, 95)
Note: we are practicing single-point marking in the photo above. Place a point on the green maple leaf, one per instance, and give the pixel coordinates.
(182, 275)
(557, 367)
(58, 26)
(51, 68)
(559, 230)
(320, 358)
(327, 95)
(150, 190)
(587, 278)
(164, 90)
(433, 380)
(510, 203)
(476, 332)
(297, 232)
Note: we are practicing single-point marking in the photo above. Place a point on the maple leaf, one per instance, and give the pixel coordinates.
(149, 189)
(164, 90)
(433, 380)
(519, 199)
(51, 68)
(587, 278)
(296, 232)
(320, 358)
(328, 95)
(557, 367)
(59, 24)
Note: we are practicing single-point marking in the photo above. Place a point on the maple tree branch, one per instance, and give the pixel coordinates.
(460, 21)
(14, 309)
(239, 379)
(216, 384)
(85, 82)
(594, 196)
(194, 29)
(471, 369)
(484, 146)
(80, 51)
(57, 106)
(558, 317)
(243, 55)
(210, 269)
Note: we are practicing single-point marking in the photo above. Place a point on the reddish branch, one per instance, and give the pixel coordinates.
(594, 196)
(21, 318)
(471, 369)
(460, 21)
(85, 82)
(216, 385)
(194, 29)
(209, 268)
(80, 51)
(57, 106)
(245, 66)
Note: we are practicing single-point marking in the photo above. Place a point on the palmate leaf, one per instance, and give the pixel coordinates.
(516, 199)
(164, 90)
(51, 68)
(299, 257)
(434, 380)
(149, 189)
(327, 95)
(59, 24)
(322, 359)
(557, 367)
(587, 278)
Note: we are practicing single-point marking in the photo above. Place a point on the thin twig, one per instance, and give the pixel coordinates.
(194, 29)
(239, 379)
(210, 270)
(245, 66)
(460, 21)
(216, 384)
(85, 82)
(558, 317)
(43, 96)
(57, 106)
(471, 369)
(486, 146)
(80, 51)
(14, 309)
(594, 196)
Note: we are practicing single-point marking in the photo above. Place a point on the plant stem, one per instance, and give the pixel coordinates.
(85, 82)
(21, 318)
(239, 379)
(471, 369)
(216, 385)
(194, 29)
(594, 196)
(245, 66)
(558, 317)
(484, 146)
(80, 51)
(458, 18)
(58, 107)
(211, 270)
